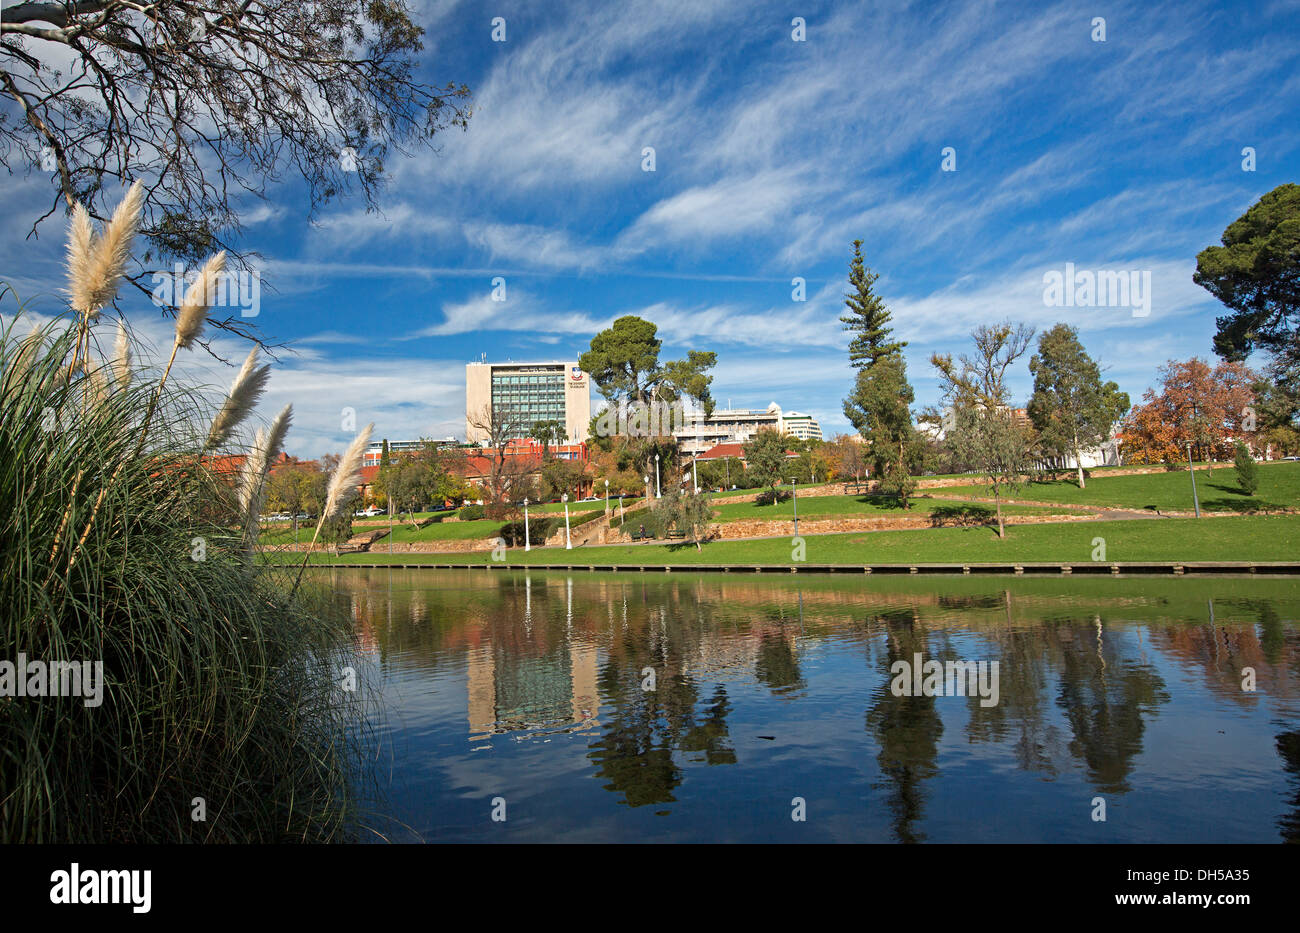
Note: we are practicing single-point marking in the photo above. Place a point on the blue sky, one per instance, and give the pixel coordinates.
(771, 156)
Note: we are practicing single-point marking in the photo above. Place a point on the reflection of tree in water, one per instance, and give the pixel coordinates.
(907, 729)
(710, 736)
(1288, 747)
(1021, 710)
(776, 664)
(643, 728)
(1105, 698)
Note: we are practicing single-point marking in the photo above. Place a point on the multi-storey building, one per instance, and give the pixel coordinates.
(521, 394)
(804, 427)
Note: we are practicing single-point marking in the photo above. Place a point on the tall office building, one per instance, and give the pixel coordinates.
(526, 393)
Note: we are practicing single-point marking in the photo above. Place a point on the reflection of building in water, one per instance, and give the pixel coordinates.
(510, 693)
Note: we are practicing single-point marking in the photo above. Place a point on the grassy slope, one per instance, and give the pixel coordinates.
(1279, 487)
(1264, 538)
(840, 506)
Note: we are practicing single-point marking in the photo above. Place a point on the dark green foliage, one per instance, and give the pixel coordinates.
(1256, 273)
(624, 363)
(1247, 470)
(867, 317)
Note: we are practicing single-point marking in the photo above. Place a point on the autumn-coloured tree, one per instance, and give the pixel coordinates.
(1208, 408)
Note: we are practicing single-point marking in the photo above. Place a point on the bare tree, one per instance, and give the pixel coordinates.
(982, 426)
(506, 474)
(207, 101)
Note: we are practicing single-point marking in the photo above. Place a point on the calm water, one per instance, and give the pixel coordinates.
(529, 687)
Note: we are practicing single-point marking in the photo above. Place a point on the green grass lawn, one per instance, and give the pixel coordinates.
(815, 507)
(1279, 487)
(1262, 538)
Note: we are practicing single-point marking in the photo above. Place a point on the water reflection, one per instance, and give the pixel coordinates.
(694, 707)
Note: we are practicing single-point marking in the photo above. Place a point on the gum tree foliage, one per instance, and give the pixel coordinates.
(684, 511)
(1256, 273)
(983, 428)
(624, 363)
(879, 404)
(1277, 405)
(415, 479)
(209, 101)
(1071, 408)
(765, 458)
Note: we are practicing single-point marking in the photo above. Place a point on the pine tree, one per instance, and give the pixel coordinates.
(878, 405)
(1247, 471)
(867, 318)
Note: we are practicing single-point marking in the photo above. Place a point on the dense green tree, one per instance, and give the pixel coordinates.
(1256, 273)
(1277, 406)
(879, 408)
(765, 458)
(867, 317)
(1071, 408)
(624, 363)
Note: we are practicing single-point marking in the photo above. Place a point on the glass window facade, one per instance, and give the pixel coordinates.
(529, 395)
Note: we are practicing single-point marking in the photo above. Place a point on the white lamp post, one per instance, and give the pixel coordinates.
(620, 507)
(568, 546)
(527, 544)
(658, 494)
(647, 487)
(606, 497)
(794, 487)
(696, 474)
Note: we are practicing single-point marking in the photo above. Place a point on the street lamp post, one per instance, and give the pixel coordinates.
(606, 497)
(647, 487)
(658, 494)
(568, 545)
(620, 508)
(794, 488)
(696, 475)
(1196, 503)
(527, 544)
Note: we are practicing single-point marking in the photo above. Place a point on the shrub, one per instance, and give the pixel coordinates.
(470, 513)
(771, 497)
(1247, 470)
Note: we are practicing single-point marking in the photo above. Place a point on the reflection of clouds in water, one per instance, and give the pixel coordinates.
(1103, 690)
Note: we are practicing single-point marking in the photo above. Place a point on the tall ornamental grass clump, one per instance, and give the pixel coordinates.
(223, 713)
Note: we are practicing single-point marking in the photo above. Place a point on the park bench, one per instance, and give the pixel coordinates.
(676, 534)
(856, 489)
(638, 536)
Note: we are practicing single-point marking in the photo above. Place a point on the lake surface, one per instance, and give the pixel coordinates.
(531, 693)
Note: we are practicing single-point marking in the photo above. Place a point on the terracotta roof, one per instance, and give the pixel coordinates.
(720, 451)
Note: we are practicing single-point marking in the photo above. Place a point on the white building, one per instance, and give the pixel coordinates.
(737, 425)
(804, 427)
(725, 426)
